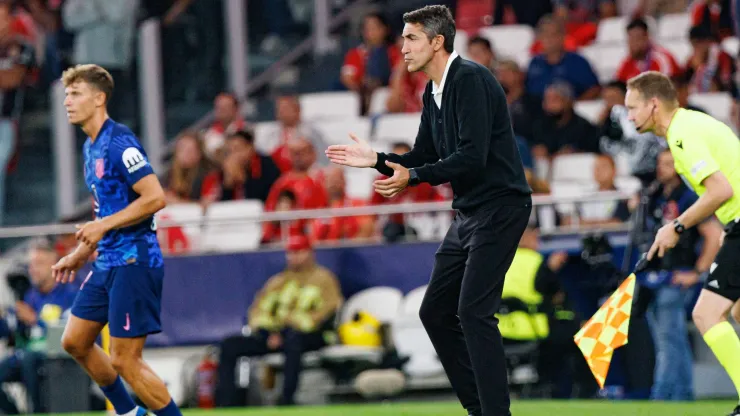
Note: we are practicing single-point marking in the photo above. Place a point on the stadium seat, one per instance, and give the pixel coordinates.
(263, 132)
(412, 301)
(226, 227)
(718, 104)
(329, 105)
(183, 238)
(382, 303)
(411, 339)
(605, 59)
(628, 184)
(393, 128)
(590, 110)
(359, 182)
(568, 190)
(731, 45)
(461, 43)
(378, 101)
(680, 49)
(337, 131)
(509, 40)
(612, 30)
(674, 26)
(577, 167)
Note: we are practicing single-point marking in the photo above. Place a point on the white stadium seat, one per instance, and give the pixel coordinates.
(378, 101)
(328, 105)
(674, 26)
(731, 45)
(263, 134)
(461, 43)
(337, 131)
(411, 339)
(605, 59)
(680, 49)
(577, 167)
(590, 109)
(188, 214)
(628, 184)
(718, 104)
(612, 30)
(509, 40)
(568, 190)
(226, 227)
(392, 128)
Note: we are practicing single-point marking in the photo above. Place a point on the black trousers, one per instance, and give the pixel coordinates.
(295, 343)
(463, 295)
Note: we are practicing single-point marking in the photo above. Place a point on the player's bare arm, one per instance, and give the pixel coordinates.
(151, 199)
(718, 191)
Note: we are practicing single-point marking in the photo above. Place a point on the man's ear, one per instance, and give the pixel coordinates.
(439, 42)
(100, 99)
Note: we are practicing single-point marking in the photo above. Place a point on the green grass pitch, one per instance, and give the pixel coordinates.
(519, 408)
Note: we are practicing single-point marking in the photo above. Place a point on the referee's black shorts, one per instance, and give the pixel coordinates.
(724, 274)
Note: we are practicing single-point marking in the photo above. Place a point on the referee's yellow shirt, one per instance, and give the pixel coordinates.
(702, 145)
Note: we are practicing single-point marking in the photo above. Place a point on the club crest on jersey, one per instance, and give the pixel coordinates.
(99, 168)
(133, 159)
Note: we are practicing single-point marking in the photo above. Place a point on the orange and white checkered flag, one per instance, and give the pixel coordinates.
(607, 330)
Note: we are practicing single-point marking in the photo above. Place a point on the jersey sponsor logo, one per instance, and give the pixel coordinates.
(713, 284)
(99, 168)
(133, 159)
(679, 144)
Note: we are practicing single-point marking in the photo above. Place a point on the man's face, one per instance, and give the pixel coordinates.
(39, 266)
(553, 103)
(612, 96)
(701, 46)
(640, 111)
(638, 42)
(373, 31)
(665, 171)
(81, 100)
(5, 19)
(239, 149)
(224, 109)
(298, 259)
(302, 154)
(417, 50)
(479, 53)
(552, 38)
(284, 203)
(334, 181)
(288, 110)
(187, 152)
(604, 172)
(508, 77)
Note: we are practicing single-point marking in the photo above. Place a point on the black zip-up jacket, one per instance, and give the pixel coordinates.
(469, 142)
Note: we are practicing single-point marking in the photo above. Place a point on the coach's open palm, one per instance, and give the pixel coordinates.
(358, 155)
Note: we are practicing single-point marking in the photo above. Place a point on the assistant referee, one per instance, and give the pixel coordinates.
(706, 154)
(465, 138)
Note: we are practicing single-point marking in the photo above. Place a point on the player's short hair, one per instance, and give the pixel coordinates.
(653, 84)
(245, 135)
(436, 20)
(91, 74)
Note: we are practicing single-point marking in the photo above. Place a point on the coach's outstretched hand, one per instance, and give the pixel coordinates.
(358, 155)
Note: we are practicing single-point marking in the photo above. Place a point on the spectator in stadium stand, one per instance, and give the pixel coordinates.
(556, 64)
(715, 16)
(292, 314)
(481, 51)
(192, 176)
(369, 65)
(606, 212)
(683, 92)
(406, 88)
(561, 130)
(104, 33)
(396, 226)
(226, 121)
(280, 231)
(340, 228)
(656, 8)
(290, 126)
(523, 107)
(709, 69)
(42, 305)
(45, 15)
(644, 54)
(581, 18)
(16, 63)
(245, 173)
(511, 12)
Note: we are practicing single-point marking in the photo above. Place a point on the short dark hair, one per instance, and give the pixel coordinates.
(245, 135)
(619, 85)
(288, 194)
(701, 33)
(436, 20)
(480, 40)
(638, 23)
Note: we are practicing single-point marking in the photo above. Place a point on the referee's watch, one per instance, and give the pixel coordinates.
(678, 227)
(413, 177)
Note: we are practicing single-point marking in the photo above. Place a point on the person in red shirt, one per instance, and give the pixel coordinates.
(369, 65)
(337, 228)
(227, 121)
(424, 192)
(644, 55)
(709, 69)
(290, 126)
(279, 231)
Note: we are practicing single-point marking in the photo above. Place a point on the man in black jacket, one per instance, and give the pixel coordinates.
(465, 138)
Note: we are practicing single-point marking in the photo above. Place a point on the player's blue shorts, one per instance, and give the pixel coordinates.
(128, 298)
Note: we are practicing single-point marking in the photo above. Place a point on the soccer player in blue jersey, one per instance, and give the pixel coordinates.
(124, 289)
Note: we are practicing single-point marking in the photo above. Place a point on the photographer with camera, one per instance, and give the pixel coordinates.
(667, 284)
(43, 303)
